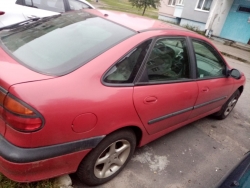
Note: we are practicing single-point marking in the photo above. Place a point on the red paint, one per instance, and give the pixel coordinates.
(84, 122)
(40, 170)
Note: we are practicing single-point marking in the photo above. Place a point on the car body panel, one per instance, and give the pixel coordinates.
(74, 85)
(22, 74)
(169, 98)
(213, 91)
(40, 170)
(132, 21)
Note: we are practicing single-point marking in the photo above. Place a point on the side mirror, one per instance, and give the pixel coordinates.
(235, 74)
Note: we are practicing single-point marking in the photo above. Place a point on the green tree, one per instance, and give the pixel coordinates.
(145, 3)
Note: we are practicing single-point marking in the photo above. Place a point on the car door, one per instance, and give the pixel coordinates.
(214, 85)
(165, 94)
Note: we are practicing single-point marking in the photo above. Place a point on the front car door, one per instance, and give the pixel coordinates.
(165, 94)
(214, 86)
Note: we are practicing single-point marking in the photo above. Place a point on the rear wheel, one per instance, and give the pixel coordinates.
(228, 106)
(105, 161)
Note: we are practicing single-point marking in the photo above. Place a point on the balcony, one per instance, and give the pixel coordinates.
(178, 11)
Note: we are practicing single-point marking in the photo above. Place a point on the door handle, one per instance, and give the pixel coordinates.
(150, 100)
(205, 89)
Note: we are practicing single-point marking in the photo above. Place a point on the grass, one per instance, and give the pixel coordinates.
(125, 6)
(6, 183)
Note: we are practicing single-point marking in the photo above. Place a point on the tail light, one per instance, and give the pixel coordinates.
(19, 115)
(2, 13)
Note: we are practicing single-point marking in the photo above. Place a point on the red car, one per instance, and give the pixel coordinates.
(79, 91)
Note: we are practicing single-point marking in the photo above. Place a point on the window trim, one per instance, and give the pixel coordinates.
(200, 9)
(143, 80)
(218, 56)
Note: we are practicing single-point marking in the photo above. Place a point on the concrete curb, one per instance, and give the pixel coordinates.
(64, 181)
(235, 57)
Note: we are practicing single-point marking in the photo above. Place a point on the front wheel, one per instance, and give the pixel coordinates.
(105, 161)
(228, 106)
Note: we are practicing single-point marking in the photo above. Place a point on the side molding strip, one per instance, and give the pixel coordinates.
(169, 115)
(185, 110)
(209, 102)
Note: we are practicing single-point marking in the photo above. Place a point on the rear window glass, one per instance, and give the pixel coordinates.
(57, 46)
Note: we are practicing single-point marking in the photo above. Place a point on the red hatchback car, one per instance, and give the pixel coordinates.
(79, 91)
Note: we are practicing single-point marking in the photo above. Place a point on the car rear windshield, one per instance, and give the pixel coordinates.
(61, 44)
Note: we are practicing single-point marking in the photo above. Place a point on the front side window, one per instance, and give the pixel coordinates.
(77, 5)
(171, 2)
(204, 5)
(209, 64)
(126, 69)
(168, 60)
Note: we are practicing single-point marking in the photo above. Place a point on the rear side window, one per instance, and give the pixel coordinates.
(57, 46)
(126, 69)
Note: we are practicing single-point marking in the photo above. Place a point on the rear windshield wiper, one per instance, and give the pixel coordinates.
(29, 21)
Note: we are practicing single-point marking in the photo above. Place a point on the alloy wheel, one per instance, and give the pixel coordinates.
(112, 159)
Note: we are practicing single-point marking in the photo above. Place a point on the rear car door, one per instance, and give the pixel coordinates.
(214, 85)
(165, 94)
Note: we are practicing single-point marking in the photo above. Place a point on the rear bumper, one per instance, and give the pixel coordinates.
(34, 164)
(44, 169)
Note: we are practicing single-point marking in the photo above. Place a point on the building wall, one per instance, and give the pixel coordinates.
(218, 15)
(197, 25)
(189, 12)
(236, 26)
(168, 19)
(164, 9)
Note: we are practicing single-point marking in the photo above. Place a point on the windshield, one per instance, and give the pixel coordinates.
(60, 45)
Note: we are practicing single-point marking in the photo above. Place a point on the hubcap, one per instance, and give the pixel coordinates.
(112, 159)
(230, 106)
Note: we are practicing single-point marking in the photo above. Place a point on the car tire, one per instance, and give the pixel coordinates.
(228, 106)
(106, 160)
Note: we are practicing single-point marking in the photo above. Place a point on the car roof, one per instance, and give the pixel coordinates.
(142, 24)
(132, 21)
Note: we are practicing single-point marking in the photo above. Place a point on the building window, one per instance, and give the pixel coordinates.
(171, 2)
(244, 9)
(180, 2)
(204, 5)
